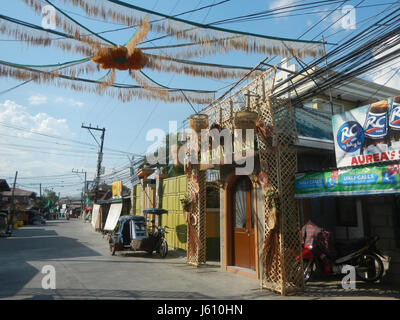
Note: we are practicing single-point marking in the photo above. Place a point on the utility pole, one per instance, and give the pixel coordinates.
(85, 172)
(83, 194)
(12, 199)
(100, 154)
(40, 189)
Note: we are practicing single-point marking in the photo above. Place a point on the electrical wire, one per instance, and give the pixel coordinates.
(379, 38)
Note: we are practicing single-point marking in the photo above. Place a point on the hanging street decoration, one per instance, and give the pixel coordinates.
(103, 54)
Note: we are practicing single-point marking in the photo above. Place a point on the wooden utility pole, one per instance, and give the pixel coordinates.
(12, 199)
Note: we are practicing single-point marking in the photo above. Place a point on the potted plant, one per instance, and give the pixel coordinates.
(187, 204)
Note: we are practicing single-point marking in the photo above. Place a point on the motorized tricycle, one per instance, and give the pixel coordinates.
(132, 234)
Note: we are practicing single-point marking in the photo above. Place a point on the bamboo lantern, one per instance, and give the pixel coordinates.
(245, 119)
(198, 121)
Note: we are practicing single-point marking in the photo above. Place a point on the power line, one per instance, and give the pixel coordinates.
(359, 60)
(123, 28)
(2, 123)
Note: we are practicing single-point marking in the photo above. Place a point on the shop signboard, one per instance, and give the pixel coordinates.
(378, 179)
(117, 190)
(368, 135)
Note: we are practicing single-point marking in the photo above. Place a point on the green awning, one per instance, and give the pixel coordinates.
(379, 179)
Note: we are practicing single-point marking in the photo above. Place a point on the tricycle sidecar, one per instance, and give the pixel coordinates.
(132, 235)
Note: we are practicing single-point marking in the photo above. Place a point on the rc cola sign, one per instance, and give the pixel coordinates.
(368, 134)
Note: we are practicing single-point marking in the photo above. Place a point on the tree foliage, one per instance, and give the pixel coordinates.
(48, 196)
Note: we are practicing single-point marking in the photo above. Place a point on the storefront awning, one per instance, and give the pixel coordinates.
(379, 179)
(113, 216)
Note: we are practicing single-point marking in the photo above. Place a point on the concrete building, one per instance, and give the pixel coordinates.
(346, 217)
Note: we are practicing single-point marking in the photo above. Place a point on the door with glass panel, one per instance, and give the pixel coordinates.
(243, 224)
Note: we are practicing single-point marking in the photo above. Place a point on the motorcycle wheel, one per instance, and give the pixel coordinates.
(369, 267)
(163, 248)
(308, 267)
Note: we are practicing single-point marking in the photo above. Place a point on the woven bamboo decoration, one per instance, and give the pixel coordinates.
(196, 241)
(278, 161)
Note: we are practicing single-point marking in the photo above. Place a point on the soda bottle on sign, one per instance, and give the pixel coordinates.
(394, 121)
(376, 126)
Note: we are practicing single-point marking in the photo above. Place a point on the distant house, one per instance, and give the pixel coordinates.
(22, 198)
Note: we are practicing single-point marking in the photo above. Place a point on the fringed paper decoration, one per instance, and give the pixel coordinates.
(138, 37)
(108, 79)
(71, 68)
(33, 35)
(223, 39)
(195, 69)
(156, 90)
(119, 58)
(124, 93)
(124, 57)
(70, 25)
(190, 50)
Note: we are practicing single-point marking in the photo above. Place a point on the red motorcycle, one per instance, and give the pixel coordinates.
(362, 254)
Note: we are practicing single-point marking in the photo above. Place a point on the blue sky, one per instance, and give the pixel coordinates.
(60, 112)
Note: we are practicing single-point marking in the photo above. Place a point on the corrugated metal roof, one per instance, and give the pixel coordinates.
(18, 193)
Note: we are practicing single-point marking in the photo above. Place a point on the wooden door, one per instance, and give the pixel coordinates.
(243, 224)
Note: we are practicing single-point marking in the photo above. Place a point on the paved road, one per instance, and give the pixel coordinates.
(85, 270)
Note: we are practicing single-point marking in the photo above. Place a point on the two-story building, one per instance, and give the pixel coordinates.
(242, 198)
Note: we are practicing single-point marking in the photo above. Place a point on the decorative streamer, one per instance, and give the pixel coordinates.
(143, 81)
(70, 25)
(138, 37)
(192, 49)
(122, 92)
(129, 57)
(33, 35)
(71, 68)
(195, 69)
(181, 29)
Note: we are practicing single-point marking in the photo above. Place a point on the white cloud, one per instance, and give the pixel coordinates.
(70, 102)
(17, 115)
(37, 99)
(19, 148)
(281, 3)
(35, 155)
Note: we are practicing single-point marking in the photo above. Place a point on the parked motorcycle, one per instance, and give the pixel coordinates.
(362, 254)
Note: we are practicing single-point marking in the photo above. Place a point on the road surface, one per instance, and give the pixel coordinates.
(86, 270)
